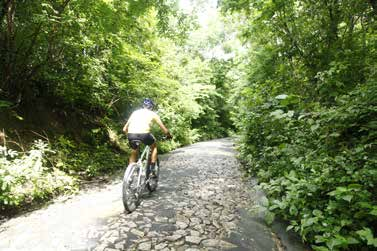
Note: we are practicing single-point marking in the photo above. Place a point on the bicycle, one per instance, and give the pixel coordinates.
(137, 178)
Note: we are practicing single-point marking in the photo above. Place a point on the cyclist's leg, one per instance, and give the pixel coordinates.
(154, 169)
(150, 140)
(153, 159)
(154, 153)
(134, 147)
(133, 156)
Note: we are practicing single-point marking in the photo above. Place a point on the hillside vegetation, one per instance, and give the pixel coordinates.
(307, 113)
(296, 81)
(73, 71)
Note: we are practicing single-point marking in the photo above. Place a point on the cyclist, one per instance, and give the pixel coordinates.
(138, 128)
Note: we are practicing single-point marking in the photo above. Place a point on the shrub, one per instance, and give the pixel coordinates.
(26, 177)
(319, 168)
(84, 160)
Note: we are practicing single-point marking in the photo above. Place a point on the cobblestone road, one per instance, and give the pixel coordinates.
(201, 203)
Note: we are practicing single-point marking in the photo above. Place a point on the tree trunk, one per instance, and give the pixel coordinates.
(9, 7)
(333, 10)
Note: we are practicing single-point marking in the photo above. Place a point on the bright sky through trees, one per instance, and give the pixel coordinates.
(211, 25)
(206, 10)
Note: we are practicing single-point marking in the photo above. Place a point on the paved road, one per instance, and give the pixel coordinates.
(202, 203)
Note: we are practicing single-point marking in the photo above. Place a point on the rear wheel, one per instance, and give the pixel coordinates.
(153, 177)
(130, 189)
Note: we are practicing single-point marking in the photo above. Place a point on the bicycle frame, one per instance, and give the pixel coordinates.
(139, 162)
(135, 180)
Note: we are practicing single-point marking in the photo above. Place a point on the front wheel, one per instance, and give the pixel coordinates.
(153, 179)
(130, 188)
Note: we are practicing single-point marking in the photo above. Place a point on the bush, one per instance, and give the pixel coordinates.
(26, 177)
(319, 168)
(84, 160)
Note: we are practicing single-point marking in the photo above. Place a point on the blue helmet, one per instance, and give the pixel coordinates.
(148, 103)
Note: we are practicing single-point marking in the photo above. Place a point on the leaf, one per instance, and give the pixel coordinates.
(334, 134)
(338, 191)
(355, 187)
(96, 130)
(281, 96)
(277, 114)
(320, 239)
(269, 217)
(320, 248)
(290, 114)
(282, 146)
(345, 222)
(317, 213)
(364, 205)
(290, 227)
(347, 197)
(4, 186)
(373, 211)
(366, 234)
(17, 116)
(372, 125)
(352, 241)
(309, 222)
(293, 210)
(5, 104)
(264, 201)
(314, 127)
(338, 241)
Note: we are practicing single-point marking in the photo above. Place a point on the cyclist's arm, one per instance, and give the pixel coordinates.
(125, 128)
(161, 125)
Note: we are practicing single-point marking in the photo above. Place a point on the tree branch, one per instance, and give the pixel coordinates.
(4, 8)
(373, 3)
(64, 5)
(52, 56)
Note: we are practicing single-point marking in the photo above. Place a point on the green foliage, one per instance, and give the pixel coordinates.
(28, 177)
(85, 161)
(70, 70)
(307, 109)
(5, 104)
(98, 59)
(318, 171)
(80, 54)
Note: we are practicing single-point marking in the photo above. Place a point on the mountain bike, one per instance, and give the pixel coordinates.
(138, 177)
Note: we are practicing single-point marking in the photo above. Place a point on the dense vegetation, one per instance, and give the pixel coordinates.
(296, 79)
(308, 115)
(71, 72)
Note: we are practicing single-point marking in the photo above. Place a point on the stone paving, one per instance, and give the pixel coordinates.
(195, 207)
(202, 203)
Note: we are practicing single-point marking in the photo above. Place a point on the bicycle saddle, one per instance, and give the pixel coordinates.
(136, 142)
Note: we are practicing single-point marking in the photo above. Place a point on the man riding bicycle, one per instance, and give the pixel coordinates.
(138, 128)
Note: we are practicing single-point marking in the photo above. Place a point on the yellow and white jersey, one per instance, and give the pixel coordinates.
(141, 120)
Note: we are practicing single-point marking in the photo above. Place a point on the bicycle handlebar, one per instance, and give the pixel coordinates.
(164, 138)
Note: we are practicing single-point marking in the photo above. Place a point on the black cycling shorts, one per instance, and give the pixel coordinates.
(146, 138)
